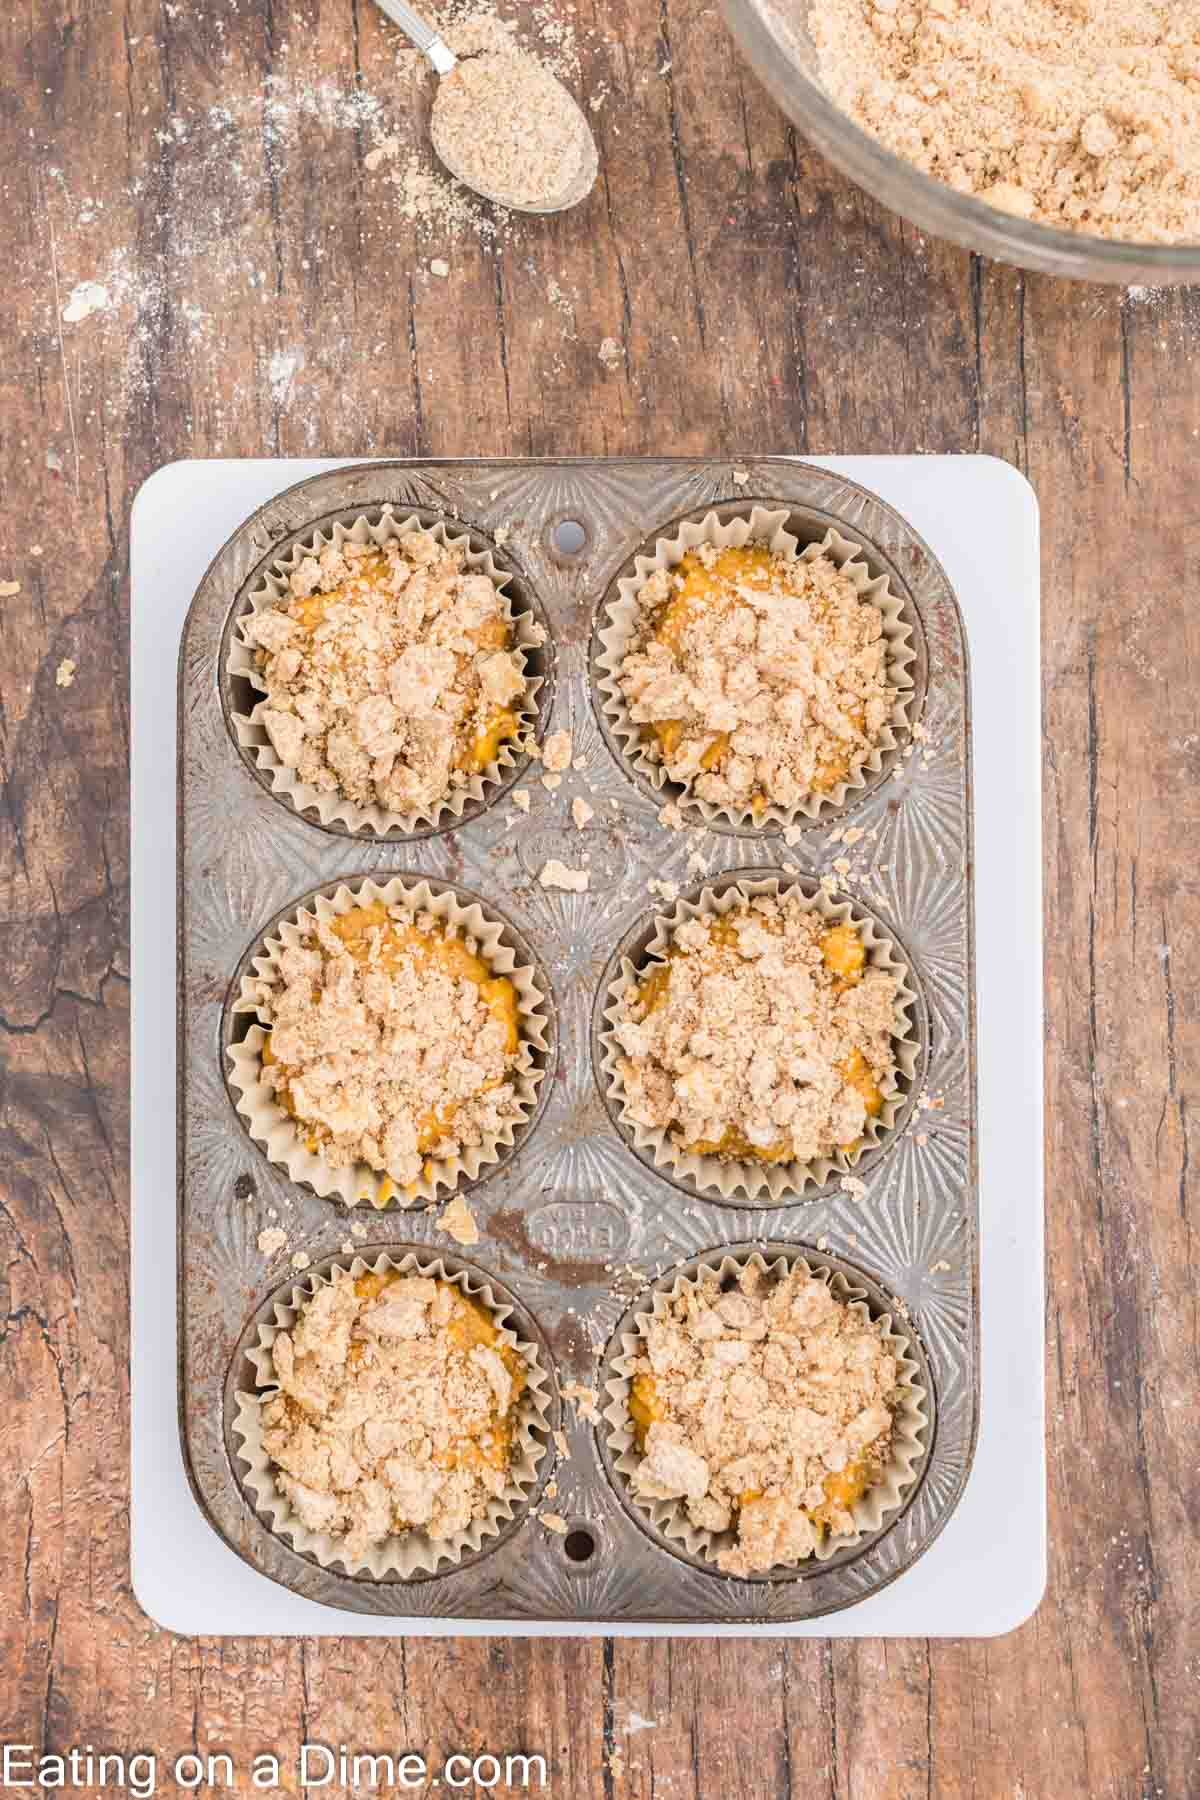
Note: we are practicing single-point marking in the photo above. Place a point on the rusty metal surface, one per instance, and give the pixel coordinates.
(575, 1225)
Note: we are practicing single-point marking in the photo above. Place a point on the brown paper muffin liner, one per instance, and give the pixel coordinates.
(910, 1419)
(279, 1133)
(334, 808)
(758, 525)
(410, 1553)
(766, 1183)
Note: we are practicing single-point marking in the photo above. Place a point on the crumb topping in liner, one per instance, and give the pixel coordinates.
(391, 1043)
(764, 1035)
(389, 670)
(396, 1408)
(757, 677)
(766, 1410)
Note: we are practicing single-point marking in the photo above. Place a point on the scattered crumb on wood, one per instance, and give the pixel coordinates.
(271, 1240)
(581, 812)
(554, 1522)
(520, 799)
(64, 675)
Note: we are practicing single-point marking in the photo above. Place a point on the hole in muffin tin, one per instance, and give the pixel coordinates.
(241, 1378)
(567, 539)
(235, 1026)
(579, 1545)
(633, 948)
(878, 1301)
(808, 525)
(239, 695)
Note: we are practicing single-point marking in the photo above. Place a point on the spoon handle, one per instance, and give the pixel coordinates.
(422, 35)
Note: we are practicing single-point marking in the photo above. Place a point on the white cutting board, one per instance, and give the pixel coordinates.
(986, 1572)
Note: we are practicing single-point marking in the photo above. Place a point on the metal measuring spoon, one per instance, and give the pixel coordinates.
(579, 176)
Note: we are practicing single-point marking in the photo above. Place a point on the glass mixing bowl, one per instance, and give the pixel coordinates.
(780, 51)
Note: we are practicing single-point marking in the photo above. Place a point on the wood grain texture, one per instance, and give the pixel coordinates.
(266, 296)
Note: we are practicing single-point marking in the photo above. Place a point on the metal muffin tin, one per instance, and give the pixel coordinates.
(574, 1225)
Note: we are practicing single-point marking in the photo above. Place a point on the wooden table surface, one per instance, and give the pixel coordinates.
(264, 294)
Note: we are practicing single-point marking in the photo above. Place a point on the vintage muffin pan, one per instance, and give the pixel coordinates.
(577, 1222)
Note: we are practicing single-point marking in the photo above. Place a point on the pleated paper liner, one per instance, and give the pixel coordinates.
(281, 1136)
(411, 1553)
(479, 789)
(753, 524)
(764, 1184)
(910, 1420)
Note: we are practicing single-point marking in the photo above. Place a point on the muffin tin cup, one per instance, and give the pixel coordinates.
(332, 809)
(736, 527)
(669, 1517)
(412, 1553)
(278, 1134)
(763, 1184)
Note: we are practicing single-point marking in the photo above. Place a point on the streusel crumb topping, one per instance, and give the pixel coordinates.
(764, 1034)
(767, 1408)
(390, 671)
(757, 678)
(396, 1408)
(1076, 113)
(391, 1042)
